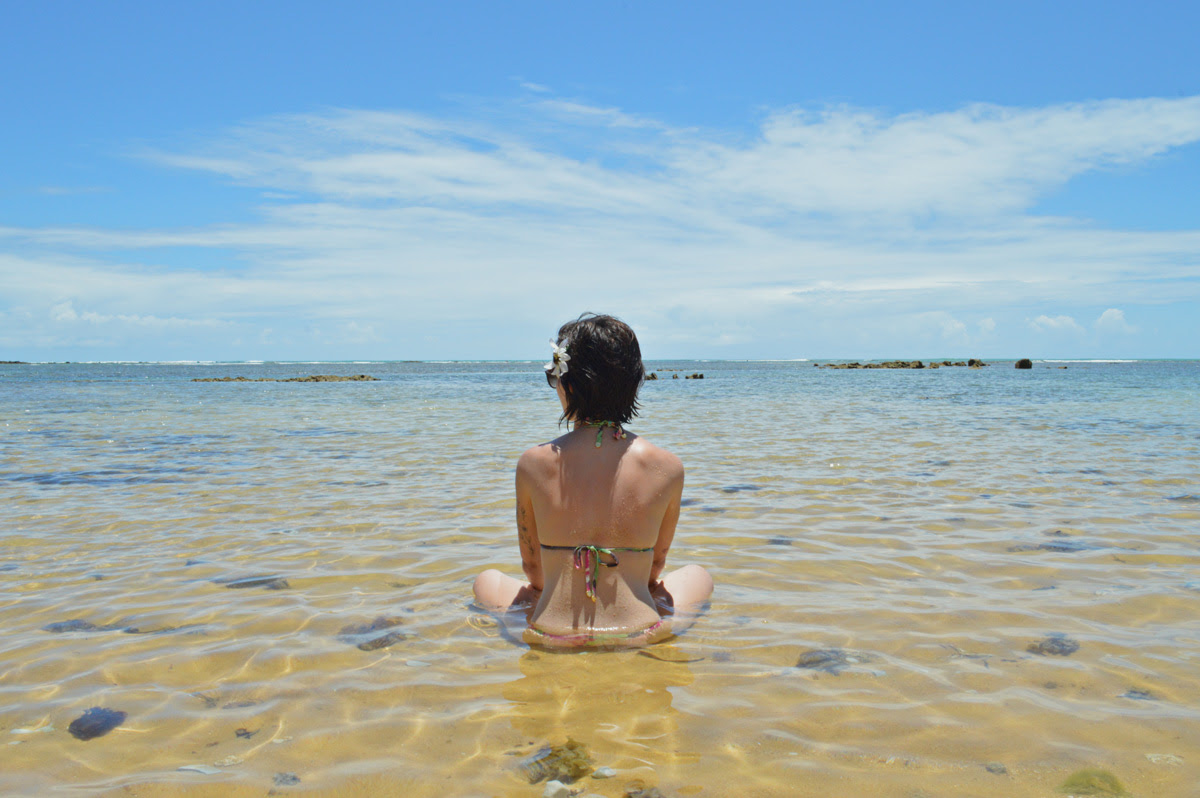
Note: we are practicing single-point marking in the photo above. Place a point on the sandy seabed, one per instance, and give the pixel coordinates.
(924, 531)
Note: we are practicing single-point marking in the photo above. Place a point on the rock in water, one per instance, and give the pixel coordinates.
(76, 625)
(266, 582)
(286, 779)
(1024, 363)
(556, 789)
(383, 641)
(643, 792)
(1056, 645)
(96, 722)
(1093, 781)
(831, 660)
(362, 635)
(564, 763)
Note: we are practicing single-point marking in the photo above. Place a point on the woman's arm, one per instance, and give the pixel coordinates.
(666, 531)
(531, 550)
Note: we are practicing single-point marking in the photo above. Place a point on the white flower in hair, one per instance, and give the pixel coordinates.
(558, 366)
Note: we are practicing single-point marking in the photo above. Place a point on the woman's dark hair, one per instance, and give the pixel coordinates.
(605, 370)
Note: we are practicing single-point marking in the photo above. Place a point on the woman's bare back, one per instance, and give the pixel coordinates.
(621, 500)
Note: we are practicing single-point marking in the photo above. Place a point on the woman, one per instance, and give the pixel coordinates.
(596, 509)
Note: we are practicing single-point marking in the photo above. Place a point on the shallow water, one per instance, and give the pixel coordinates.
(932, 526)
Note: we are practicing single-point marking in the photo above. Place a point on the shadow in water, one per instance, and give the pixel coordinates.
(617, 703)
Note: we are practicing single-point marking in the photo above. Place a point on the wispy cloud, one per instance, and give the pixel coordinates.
(837, 226)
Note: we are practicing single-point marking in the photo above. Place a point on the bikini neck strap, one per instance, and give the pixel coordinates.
(617, 432)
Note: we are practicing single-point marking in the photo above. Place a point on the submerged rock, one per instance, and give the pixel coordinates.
(285, 779)
(1093, 781)
(996, 767)
(75, 625)
(265, 582)
(383, 641)
(636, 790)
(1139, 695)
(209, 701)
(1061, 546)
(80, 625)
(96, 722)
(556, 789)
(1058, 645)
(831, 660)
(363, 635)
(1165, 759)
(564, 763)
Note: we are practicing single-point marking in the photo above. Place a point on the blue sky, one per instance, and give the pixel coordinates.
(776, 180)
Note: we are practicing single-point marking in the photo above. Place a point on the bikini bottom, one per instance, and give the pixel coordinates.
(594, 638)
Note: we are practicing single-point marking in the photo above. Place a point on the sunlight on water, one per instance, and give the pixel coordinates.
(951, 582)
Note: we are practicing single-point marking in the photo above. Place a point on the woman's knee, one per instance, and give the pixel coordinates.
(698, 577)
(487, 584)
(689, 584)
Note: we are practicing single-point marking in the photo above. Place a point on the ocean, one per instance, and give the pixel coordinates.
(950, 582)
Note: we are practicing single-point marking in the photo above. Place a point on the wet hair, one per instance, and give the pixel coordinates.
(605, 370)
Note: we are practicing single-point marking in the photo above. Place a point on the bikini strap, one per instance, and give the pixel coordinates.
(589, 559)
(617, 432)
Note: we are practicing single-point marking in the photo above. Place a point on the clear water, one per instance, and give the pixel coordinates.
(932, 526)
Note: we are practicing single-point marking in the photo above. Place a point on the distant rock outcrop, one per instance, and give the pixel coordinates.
(309, 378)
(1024, 363)
(901, 364)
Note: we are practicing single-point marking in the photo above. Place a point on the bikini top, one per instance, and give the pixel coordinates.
(589, 559)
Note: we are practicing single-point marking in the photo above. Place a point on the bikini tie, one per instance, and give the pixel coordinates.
(588, 559)
(617, 433)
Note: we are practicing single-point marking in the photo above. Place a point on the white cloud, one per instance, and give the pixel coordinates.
(954, 330)
(64, 312)
(396, 222)
(1113, 320)
(1055, 324)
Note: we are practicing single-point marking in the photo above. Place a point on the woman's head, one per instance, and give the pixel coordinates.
(605, 369)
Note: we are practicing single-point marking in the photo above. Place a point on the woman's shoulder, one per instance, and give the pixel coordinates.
(657, 457)
(538, 460)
